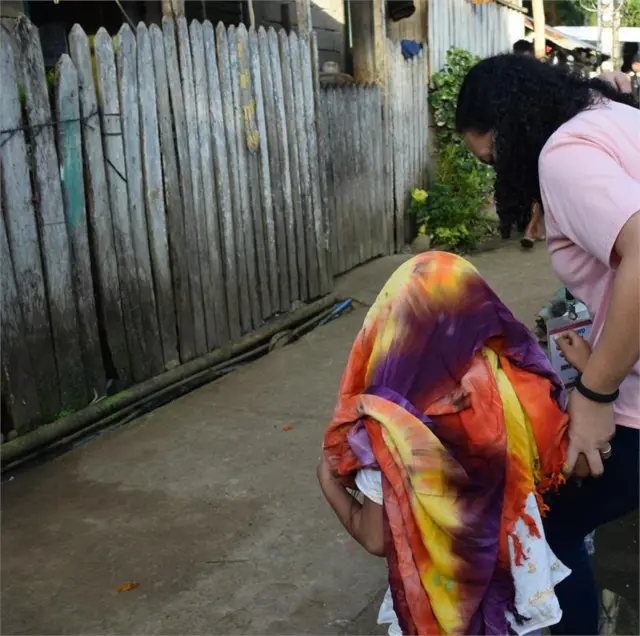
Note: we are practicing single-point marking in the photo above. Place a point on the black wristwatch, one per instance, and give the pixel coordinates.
(599, 398)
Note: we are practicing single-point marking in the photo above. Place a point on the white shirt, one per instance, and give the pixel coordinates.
(534, 580)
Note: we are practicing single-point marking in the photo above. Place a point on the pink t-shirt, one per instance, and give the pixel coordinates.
(590, 184)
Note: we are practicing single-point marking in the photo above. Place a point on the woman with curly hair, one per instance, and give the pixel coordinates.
(572, 145)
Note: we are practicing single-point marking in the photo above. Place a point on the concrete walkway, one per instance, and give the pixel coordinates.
(212, 506)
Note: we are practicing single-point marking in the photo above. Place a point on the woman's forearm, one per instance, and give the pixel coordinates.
(618, 348)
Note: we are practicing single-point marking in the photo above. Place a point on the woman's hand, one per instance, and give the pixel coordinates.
(575, 349)
(591, 427)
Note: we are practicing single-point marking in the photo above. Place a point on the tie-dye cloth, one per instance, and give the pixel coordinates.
(452, 399)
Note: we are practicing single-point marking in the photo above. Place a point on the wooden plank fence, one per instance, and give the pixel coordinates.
(374, 151)
(177, 204)
(483, 29)
(353, 162)
(409, 136)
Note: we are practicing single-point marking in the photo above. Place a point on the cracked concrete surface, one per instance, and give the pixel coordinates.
(211, 503)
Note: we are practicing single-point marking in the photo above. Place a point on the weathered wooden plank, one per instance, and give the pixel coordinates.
(54, 241)
(387, 161)
(338, 151)
(326, 113)
(99, 214)
(281, 70)
(398, 126)
(69, 136)
(184, 165)
(236, 176)
(265, 175)
(379, 175)
(366, 184)
(215, 300)
(251, 148)
(424, 120)
(305, 175)
(372, 127)
(354, 199)
(124, 174)
(274, 128)
(19, 389)
(23, 235)
(346, 126)
(173, 200)
(417, 110)
(249, 243)
(196, 225)
(223, 186)
(326, 275)
(154, 200)
(319, 230)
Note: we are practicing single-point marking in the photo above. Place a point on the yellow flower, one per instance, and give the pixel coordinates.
(419, 196)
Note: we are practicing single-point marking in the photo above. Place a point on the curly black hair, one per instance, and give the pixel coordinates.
(523, 101)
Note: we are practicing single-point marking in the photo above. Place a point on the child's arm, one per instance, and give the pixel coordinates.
(364, 522)
(575, 349)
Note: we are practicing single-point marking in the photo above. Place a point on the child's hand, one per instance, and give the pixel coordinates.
(575, 349)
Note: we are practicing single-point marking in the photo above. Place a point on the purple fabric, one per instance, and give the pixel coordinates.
(441, 352)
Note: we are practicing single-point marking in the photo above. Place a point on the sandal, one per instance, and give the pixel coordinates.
(527, 243)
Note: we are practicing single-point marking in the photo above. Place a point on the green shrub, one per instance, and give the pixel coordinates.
(452, 214)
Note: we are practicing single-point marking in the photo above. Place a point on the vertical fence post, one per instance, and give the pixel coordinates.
(23, 241)
(99, 211)
(223, 184)
(215, 300)
(54, 240)
(69, 138)
(154, 200)
(174, 200)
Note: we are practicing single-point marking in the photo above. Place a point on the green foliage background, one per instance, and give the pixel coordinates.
(452, 215)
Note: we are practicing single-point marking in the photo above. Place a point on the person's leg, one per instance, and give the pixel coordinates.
(576, 510)
(533, 231)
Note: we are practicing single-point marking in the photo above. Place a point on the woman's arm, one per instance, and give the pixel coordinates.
(364, 522)
(592, 425)
(619, 346)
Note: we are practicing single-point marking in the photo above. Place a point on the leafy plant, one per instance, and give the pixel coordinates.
(452, 211)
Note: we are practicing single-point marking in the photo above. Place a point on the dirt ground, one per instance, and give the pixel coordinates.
(211, 504)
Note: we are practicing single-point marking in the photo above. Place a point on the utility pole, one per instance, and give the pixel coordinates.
(540, 42)
(609, 34)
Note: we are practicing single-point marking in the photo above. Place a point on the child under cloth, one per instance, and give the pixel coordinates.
(450, 422)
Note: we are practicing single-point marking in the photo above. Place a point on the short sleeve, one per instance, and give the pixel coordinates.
(588, 194)
(369, 483)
